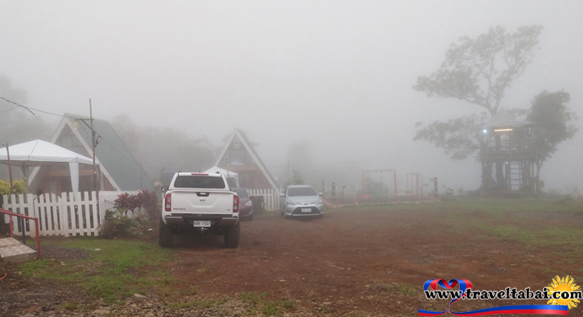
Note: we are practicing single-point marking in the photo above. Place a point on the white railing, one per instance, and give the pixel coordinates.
(68, 215)
(270, 198)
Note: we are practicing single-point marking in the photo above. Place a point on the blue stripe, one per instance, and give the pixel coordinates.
(428, 312)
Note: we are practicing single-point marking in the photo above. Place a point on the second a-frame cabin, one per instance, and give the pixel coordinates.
(239, 156)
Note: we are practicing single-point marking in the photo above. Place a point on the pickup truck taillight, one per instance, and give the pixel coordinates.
(235, 203)
(168, 202)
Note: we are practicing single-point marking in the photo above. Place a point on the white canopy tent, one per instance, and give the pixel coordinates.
(227, 174)
(42, 153)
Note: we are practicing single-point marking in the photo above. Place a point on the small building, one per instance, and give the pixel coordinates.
(118, 170)
(508, 156)
(239, 156)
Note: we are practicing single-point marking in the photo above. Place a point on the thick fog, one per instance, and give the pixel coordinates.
(331, 79)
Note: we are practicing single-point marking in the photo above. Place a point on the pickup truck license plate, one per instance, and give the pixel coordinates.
(306, 209)
(199, 224)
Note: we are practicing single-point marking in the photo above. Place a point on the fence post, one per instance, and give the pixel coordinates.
(64, 213)
(92, 222)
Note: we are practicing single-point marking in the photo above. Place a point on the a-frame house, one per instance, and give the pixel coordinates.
(118, 169)
(239, 156)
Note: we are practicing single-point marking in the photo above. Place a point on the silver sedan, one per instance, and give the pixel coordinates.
(301, 201)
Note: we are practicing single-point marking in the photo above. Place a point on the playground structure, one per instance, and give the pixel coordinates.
(414, 185)
(380, 186)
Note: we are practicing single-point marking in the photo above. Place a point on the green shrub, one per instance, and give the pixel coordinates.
(18, 187)
(144, 199)
(117, 222)
(118, 225)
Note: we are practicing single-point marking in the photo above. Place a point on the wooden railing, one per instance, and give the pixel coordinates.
(10, 214)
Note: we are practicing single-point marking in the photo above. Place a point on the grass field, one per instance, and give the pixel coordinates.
(118, 269)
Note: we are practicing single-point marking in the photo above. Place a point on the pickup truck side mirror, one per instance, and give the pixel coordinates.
(164, 189)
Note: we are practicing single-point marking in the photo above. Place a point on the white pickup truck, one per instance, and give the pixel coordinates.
(199, 203)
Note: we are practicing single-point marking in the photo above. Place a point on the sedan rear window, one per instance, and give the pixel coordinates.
(198, 181)
(241, 192)
(301, 191)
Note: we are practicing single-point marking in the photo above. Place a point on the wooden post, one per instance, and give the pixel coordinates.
(9, 167)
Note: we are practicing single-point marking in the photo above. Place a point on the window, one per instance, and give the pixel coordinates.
(241, 192)
(301, 191)
(198, 181)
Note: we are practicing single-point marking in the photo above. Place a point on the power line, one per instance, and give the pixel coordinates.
(101, 138)
(30, 109)
(132, 159)
(125, 156)
(12, 102)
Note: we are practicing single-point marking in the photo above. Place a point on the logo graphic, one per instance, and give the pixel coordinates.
(562, 286)
(561, 294)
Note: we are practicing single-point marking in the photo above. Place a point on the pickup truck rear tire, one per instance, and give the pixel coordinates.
(232, 236)
(164, 235)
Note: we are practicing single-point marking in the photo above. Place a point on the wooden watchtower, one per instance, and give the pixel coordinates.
(508, 157)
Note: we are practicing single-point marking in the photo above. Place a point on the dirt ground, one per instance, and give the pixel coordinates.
(366, 263)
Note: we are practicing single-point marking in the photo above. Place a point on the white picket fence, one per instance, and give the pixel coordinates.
(77, 214)
(68, 215)
(270, 198)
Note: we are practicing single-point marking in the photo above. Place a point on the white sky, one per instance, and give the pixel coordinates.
(337, 72)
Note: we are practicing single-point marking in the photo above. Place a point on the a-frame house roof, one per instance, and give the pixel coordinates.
(237, 135)
(117, 163)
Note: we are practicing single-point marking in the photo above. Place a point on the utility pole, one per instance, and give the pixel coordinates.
(93, 141)
(9, 167)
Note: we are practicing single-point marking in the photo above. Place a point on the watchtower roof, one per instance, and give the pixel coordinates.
(509, 124)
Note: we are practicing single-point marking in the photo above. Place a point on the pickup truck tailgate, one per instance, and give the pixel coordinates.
(202, 202)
